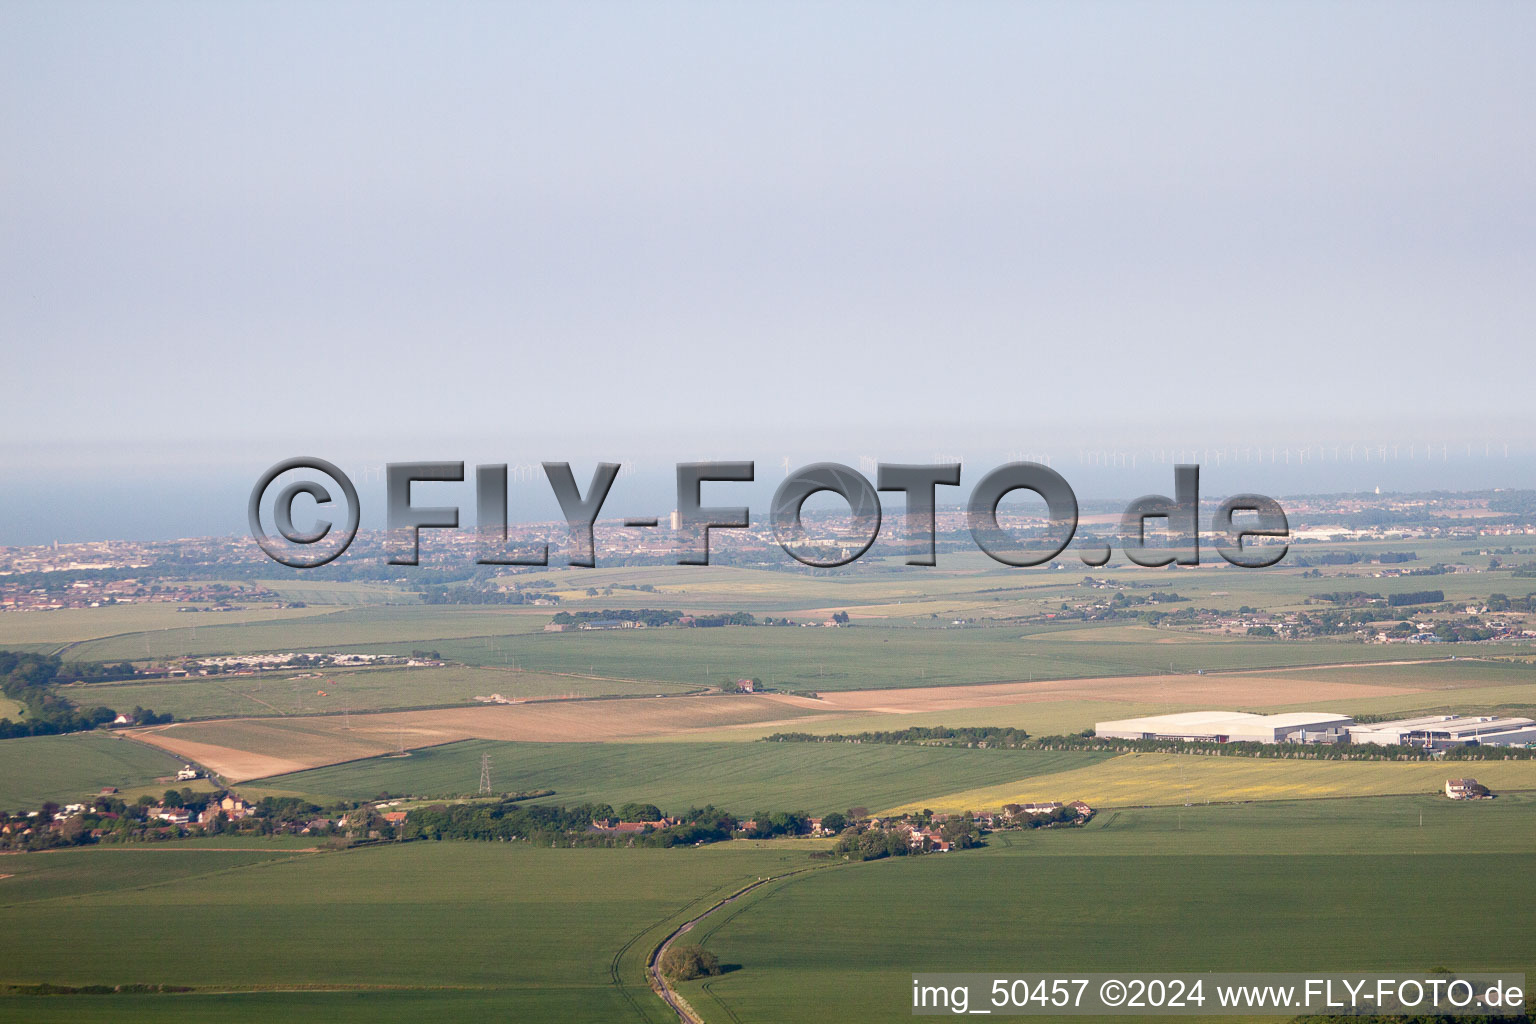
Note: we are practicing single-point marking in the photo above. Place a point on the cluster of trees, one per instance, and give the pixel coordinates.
(655, 617)
(106, 818)
(1461, 632)
(1335, 621)
(573, 826)
(500, 820)
(725, 619)
(648, 616)
(111, 819)
(1123, 605)
(1411, 597)
(1326, 558)
(30, 679)
(876, 843)
(1477, 752)
(767, 824)
(873, 844)
(1513, 503)
(472, 595)
(287, 809)
(932, 735)
(508, 819)
(1349, 597)
(685, 963)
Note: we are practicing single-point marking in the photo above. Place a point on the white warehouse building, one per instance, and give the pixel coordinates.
(1232, 727)
(1446, 731)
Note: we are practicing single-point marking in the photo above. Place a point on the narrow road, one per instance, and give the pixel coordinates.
(685, 1013)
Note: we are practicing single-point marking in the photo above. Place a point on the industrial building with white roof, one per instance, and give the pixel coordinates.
(1429, 731)
(1232, 727)
(1447, 731)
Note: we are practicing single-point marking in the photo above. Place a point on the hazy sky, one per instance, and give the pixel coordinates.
(239, 232)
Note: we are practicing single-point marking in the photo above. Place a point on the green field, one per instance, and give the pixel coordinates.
(742, 777)
(67, 769)
(295, 692)
(337, 592)
(68, 627)
(865, 657)
(1310, 886)
(311, 629)
(456, 931)
(1445, 670)
(443, 931)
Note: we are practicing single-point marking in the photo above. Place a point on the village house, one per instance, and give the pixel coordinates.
(631, 827)
(1465, 789)
(1039, 808)
(171, 815)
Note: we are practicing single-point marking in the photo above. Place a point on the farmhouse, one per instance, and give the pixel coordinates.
(612, 827)
(1040, 808)
(1231, 727)
(1465, 789)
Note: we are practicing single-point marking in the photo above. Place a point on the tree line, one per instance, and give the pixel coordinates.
(933, 735)
(31, 680)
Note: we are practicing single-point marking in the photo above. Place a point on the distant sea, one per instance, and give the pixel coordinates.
(39, 509)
